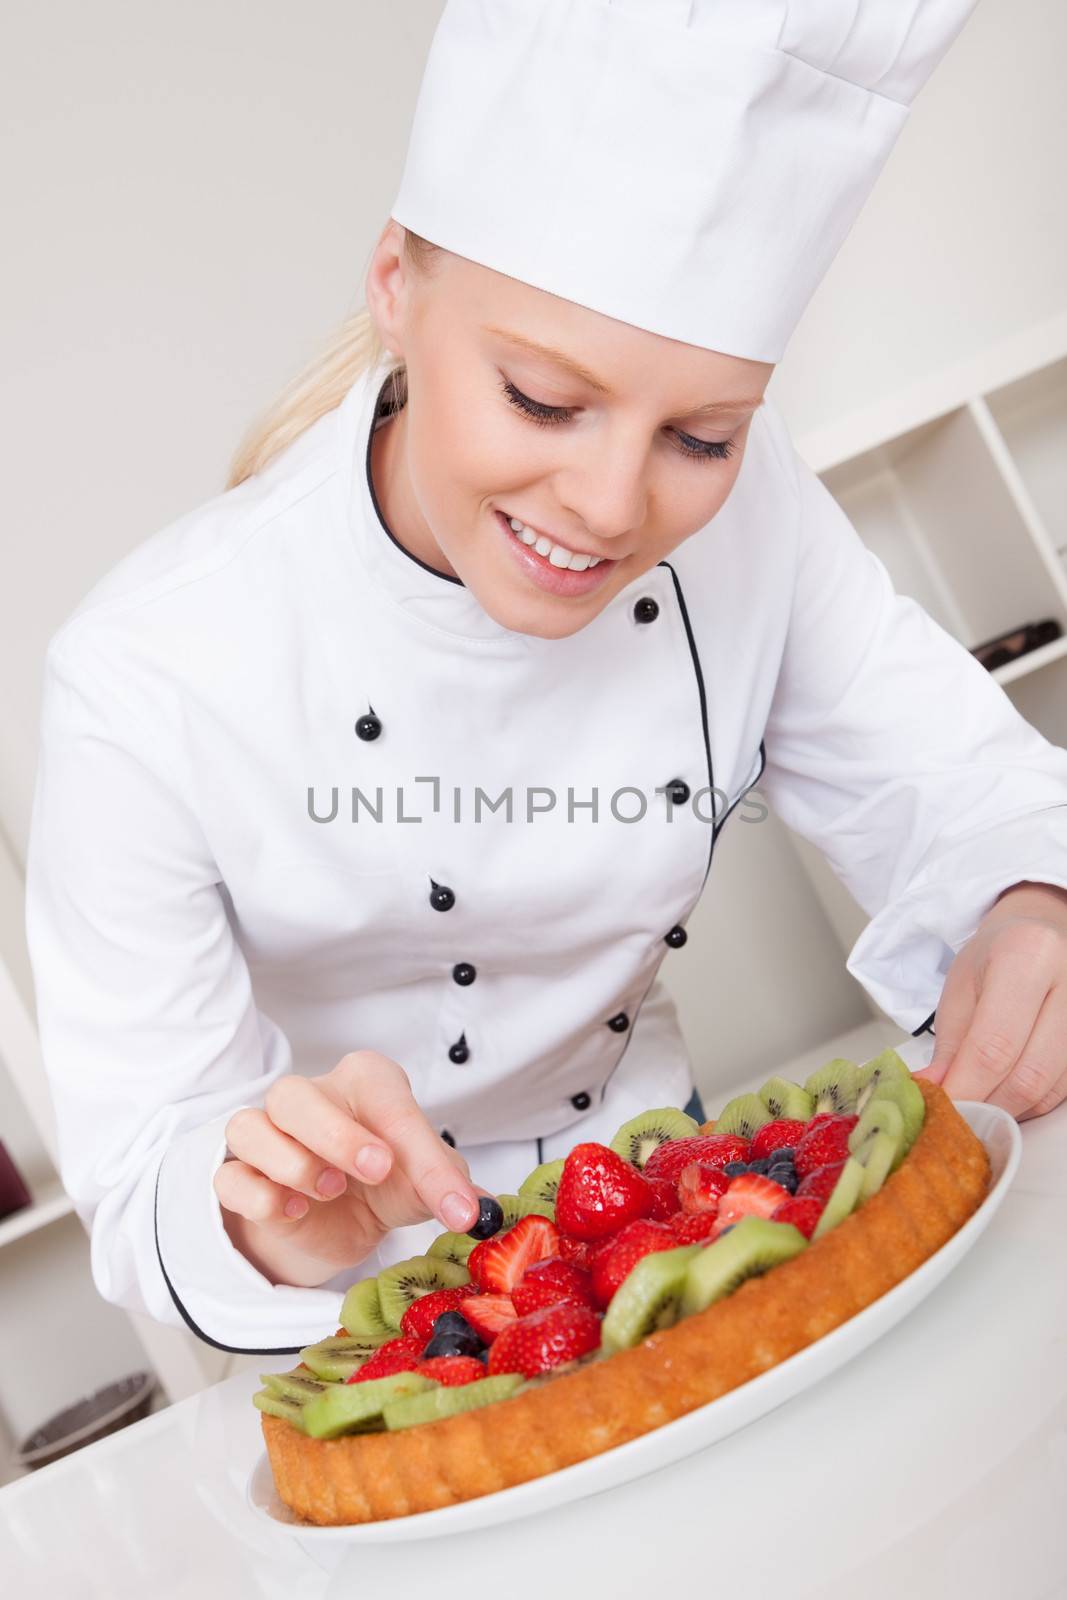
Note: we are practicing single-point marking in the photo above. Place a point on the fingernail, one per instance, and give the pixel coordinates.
(457, 1213)
(296, 1207)
(372, 1162)
(332, 1183)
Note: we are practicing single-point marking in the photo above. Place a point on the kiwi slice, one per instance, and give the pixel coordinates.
(511, 1206)
(276, 1405)
(744, 1115)
(432, 1404)
(905, 1094)
(648, 1298)
(406, 1281)
(636, 1139)
(888, 1067)
(879, 1116)
(347, 1407)
(877, 1156)
(530, 1204)
(361, 1312)
(296, 1385)
(542, 1184)
(455, 1247)
(844, 1198)
(752, 1246)
(834, 1087)
(785, 1099)
(335, 1359)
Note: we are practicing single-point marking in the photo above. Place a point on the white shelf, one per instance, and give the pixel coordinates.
(1033, 661)
(52, 1202)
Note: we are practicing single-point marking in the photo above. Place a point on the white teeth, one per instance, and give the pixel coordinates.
(558, 554)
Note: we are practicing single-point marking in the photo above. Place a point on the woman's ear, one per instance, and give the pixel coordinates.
(386, 287)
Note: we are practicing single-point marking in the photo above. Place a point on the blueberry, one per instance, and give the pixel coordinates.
(786, 1150)
(758, 1166)
(490, 1218)
(453, 1336)
(734, 1169)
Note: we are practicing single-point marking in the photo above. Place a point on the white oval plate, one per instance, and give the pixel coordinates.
(998, 1131)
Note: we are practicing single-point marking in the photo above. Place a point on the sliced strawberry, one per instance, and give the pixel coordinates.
(630, 1244)
(700, 1187)
(750, 1195)
(420, 1316)
(773, 1135)
(545, 1339)
(395, 1355)
(714, 1148)
(664, 1199)
(488, 1314)
(499, 1263)
(802, 1211)
(599, 1193)
(819, 1185)
(825, 1143)
(582, 1252)
(452, 1370)
(694, 1228)
(550, 1283)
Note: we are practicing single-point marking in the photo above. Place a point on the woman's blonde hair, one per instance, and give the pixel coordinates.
(323, 384)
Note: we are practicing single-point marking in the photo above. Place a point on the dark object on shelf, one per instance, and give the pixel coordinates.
(104, 1412)
(1009, 646)
(14, 1195)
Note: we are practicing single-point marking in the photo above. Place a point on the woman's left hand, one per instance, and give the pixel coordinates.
(1001, 1022)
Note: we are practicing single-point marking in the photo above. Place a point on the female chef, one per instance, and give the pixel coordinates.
(374, 792)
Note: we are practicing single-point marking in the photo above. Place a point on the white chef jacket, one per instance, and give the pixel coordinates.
(212, 901)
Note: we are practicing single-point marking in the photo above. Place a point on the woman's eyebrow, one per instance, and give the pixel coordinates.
(713, 407)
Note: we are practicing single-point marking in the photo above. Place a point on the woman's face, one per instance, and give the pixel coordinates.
(621, 460)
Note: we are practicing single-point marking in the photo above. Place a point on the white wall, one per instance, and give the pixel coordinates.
(192, 196)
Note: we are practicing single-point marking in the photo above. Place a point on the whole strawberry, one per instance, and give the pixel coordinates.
(700, 1187)
(618, 1260)
(545, 1339)
(598, 1193)
(498, 1264)
(664, 1198)
(819, 1185)
(452, 1370)
(802, 1213)
(420, 1316)
(716, 1149)
(395, 1355)
(823, 1144)
(550, 1283)
(773, 1135)
(693, 1228)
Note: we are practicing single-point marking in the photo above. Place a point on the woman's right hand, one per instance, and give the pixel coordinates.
(330, 1165)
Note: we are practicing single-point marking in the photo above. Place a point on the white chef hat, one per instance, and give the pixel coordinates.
(688, 166)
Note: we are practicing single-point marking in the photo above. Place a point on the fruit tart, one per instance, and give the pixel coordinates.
(619, 1289)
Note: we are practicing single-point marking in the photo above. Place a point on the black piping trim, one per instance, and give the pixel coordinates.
(924, 1027)
(234, 1349)
(380, 409)
(703, 708)
(718, 826)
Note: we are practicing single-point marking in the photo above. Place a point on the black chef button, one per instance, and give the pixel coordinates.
(459, 1051)
(676, 938)
(581, 1102)
(447, 1137)
(464, 973)
(368, 727)
(678, 790)
(619, 1022)
(646, 609)
(442, 898)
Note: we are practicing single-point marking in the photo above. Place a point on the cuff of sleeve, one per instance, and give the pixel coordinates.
(903, 955)
(220, 1295)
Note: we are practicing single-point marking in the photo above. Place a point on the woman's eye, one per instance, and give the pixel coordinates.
(544, 416)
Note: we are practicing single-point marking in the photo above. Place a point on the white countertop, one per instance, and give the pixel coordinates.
(933, 1465)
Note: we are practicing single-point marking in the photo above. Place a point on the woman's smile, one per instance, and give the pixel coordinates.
(553, 566)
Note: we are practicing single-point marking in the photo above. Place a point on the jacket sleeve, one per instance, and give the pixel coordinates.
(893, 751)
(149, 1031)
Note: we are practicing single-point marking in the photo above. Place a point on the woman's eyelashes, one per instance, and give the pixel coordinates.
(695, 449)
